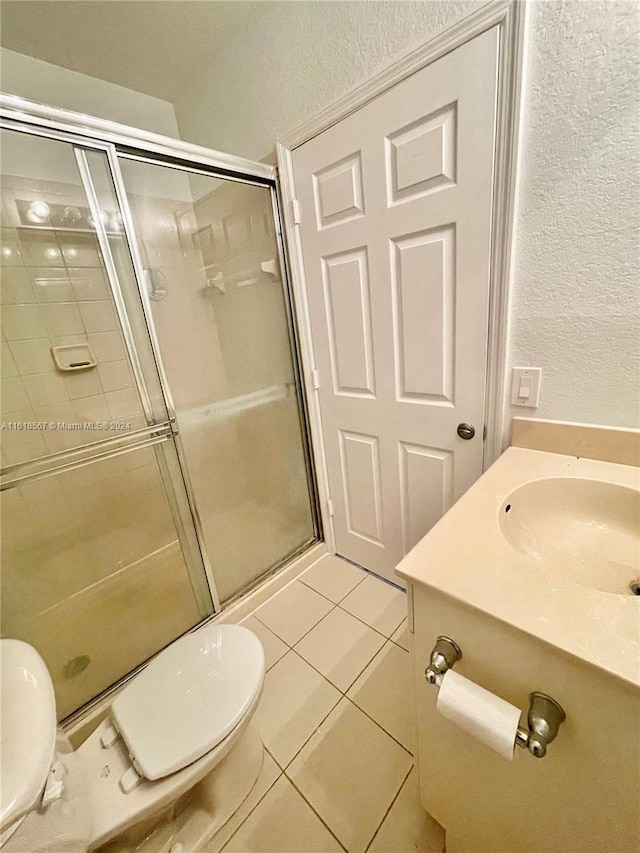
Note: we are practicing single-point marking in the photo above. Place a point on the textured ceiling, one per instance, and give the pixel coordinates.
(151, 46)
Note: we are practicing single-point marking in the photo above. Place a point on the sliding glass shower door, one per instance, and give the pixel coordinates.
(214, 286)
(154, 456)
(100, 565)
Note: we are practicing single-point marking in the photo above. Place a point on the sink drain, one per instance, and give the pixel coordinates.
(75, 666)
(634, 587)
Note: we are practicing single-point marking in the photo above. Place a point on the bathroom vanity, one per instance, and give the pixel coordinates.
(532, 575)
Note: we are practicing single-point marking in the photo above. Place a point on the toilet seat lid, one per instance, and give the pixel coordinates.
(189, 698)
(28, 711)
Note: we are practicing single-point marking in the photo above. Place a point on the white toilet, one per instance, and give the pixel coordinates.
(168, 729)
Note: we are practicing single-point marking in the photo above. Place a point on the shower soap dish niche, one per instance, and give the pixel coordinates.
(74, 357)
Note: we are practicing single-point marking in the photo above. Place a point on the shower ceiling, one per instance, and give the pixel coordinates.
(128, 42)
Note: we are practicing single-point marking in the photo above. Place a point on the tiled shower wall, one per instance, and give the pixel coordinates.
(54, 293)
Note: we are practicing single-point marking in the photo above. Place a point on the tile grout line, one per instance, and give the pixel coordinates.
(393, 799)
(387, 639)
(277, 593)
(371, 626)
(333, 707)
(399, 645)
(301, 575)
(381, 727)
(343, 694)
(266, 627)
(315, 624)
(379, 652)
(315, 812)
(326, 677)
(402, 784)
(255, 806)
(334, 605)
(326, 596)
(349, 699)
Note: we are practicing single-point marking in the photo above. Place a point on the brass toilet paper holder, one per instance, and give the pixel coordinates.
(544, 717)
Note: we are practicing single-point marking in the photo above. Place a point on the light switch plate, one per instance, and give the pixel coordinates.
(525, 386)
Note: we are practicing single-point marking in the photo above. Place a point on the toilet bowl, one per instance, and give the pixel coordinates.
(168, 729)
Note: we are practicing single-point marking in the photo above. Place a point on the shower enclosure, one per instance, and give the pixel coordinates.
(155, 462)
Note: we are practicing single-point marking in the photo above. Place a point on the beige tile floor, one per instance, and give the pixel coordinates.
(336, 723)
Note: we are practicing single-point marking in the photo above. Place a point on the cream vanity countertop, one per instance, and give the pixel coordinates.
(467, 557)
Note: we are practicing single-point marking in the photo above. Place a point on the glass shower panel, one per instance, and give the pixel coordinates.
(100, 561)
(65, 359)
(216, 296)
(92, 571)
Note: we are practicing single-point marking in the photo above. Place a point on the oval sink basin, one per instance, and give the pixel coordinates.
(583, 531)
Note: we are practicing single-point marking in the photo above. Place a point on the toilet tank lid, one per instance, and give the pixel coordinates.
(28, 713)
(189, 698)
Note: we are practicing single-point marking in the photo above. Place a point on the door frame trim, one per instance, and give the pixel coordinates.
(510, 16)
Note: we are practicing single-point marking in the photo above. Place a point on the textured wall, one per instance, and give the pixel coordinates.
(576, 301)
(295, 58)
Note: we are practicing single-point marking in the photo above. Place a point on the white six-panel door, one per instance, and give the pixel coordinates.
(395, 222)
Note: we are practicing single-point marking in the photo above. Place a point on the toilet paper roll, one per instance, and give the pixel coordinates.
(479, 712)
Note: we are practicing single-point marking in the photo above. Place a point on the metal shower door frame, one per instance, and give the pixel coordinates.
(178, 493)
(118, 141)
(138, 272)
